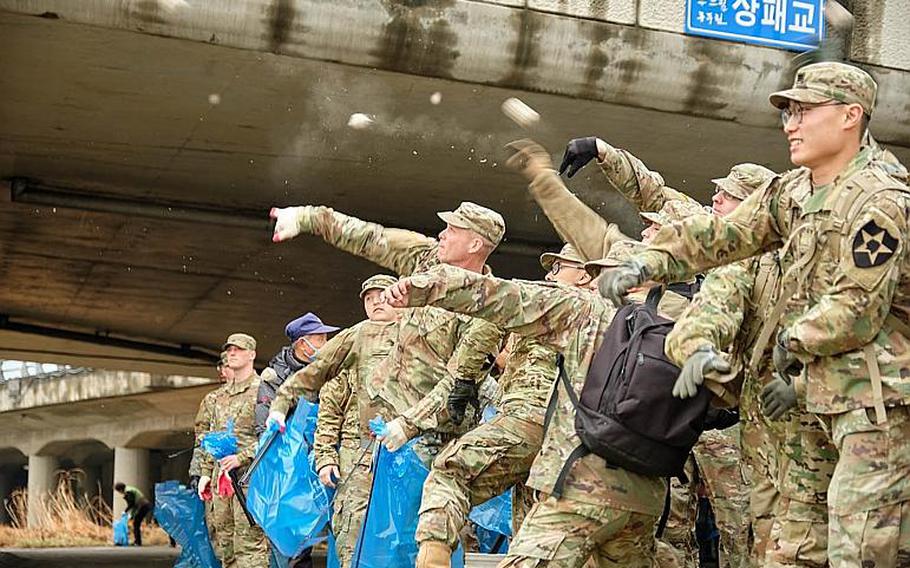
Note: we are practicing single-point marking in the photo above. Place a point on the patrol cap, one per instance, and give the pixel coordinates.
(377, 281)
(307, 324)
(567, 253)
(240, 340)
(673, 211)
(829, 81)
(222, 360)
(620, 252)
(485, 222)
(745, 179)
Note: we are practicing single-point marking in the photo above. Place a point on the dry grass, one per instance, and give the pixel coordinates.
(65, 519)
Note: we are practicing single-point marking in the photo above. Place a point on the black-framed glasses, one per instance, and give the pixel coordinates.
(798, 111)
(558, 265)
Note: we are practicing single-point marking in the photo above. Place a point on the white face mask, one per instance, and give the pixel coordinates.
(312, 357)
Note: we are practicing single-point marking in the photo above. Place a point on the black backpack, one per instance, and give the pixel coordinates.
(627, 413)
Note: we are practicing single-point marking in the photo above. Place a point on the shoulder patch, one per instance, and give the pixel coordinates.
(873, 245)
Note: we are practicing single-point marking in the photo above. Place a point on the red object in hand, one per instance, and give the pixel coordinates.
(225, 488)
(207, 493)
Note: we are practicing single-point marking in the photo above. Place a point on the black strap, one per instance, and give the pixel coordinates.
(499, 542)
(579, 452)
(665, 514)
(551, 404)
(654, 296)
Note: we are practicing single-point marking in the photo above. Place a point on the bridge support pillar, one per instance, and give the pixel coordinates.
(40, 483)
(131, 466)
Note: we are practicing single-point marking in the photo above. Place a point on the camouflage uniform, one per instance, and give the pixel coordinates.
(236, 542)
(605, 513)
(593, 236)
(434, 346)
(845, 294)
(496, 454)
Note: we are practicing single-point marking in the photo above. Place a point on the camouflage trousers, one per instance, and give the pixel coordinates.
(237, 544)
(718, 466)
(473, 469)
(351, 499)
(564, 533)
(869, 496)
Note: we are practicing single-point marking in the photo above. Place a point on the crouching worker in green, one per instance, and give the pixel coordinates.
(137, 507)
(603, 513)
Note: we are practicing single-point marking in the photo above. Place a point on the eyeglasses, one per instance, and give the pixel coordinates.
(557, 266)
(798, 111)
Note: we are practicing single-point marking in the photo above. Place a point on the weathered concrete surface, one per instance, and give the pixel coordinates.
(112, 99)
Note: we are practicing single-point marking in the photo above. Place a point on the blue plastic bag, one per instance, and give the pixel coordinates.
(221, 443)
(122, 530)
(182, 515)
(387, 537)
(285, 495)
(493, 520)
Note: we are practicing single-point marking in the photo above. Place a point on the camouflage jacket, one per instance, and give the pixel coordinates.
(338, 422)
(235, 400)
(568, 320)
(643, 188)
(201, 460)
(527, 379)
(845, 261)
(434, 346)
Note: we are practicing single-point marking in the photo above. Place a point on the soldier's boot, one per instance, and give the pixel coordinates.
(434, 554)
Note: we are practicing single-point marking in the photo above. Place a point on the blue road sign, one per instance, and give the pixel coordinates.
(790, 24)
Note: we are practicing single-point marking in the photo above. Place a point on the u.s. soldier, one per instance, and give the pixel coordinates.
(840, 325)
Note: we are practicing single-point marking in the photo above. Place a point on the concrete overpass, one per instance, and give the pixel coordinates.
(142, 147)
(112, 425)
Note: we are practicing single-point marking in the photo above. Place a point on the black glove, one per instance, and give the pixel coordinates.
(702, 362)
(778, 397)
(463, 393)
(578, 152)
(194, 483)
(721, 418)
(785, 362)
(616, 282)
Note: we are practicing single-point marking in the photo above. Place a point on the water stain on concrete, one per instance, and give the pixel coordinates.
(417, 38)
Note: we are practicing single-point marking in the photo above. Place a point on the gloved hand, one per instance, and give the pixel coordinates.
(286, 226)
(464, 392)
(785, 362)
(204, 489)
(328, 475)
(275, 421)
(699, 364)
(395, 436)
(615, 283)
(194, 483)
(579, 151)
(778, 397)
(530, 159)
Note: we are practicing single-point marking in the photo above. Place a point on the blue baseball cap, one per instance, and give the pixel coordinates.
(307, 324)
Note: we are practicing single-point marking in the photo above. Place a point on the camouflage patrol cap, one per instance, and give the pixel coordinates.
(567, 253)
(827, 81)
(485, 222)
(377, 281)
(620, 252)
(673, 211)
(222, 360)
(240, 340)
(745, 179)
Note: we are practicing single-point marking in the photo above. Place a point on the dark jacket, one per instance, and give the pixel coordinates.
(282, 365)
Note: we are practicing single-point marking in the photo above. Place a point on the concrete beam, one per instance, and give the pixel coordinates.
(493, 44)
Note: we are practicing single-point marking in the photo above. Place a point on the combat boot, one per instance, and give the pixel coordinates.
(434, 554)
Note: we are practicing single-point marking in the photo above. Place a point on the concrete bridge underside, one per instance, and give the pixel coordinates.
(142, 149)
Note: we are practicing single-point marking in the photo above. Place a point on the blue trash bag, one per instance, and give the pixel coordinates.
(182, 515)
(331, 559)
(221, 443)
(285, 495)
(122, 530)
(387, 537)
(493, 522)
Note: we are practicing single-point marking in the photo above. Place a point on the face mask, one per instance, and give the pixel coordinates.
(312, 357)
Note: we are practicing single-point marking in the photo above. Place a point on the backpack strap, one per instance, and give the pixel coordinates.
(551, 404)
(664, 515)
(581, 450)
(654, 296)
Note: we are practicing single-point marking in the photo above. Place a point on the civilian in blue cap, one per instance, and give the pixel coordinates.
(307, 334)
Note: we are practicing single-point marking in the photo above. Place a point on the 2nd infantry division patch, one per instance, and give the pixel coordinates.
(873, 246)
